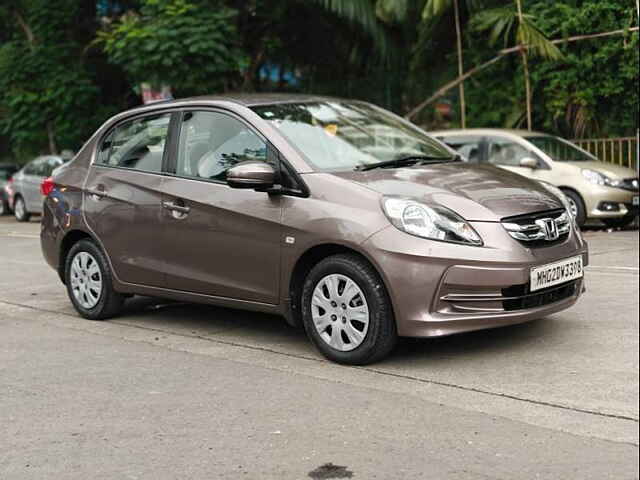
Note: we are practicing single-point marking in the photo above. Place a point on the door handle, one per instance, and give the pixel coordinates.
(97, 193)
(176, 208)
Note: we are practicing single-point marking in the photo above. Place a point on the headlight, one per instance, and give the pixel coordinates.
(434, 222)
(599, 178)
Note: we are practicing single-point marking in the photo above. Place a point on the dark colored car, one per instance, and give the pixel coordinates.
(337, 214)
(6, 172)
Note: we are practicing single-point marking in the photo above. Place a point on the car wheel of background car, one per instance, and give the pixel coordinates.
(4, 208)
(90, 283)
(577, 206)
(347, 313)
(20, 210)
(619, 222)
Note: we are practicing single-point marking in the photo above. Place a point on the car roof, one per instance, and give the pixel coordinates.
(488, 131)
(244, 99)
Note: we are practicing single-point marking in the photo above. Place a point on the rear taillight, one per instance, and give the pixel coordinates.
(47, 186)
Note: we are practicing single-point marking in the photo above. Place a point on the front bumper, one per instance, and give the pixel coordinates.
(439, 288)
(596, 195)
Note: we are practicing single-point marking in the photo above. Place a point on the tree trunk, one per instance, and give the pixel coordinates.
(463, 107)
(248, 83)
(53, 147)
(525, 65)
(502, 53)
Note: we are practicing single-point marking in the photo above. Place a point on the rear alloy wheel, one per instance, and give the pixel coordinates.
(89, 282)
(20, 210)
(347, 313)
(4, 208)
(619, 222)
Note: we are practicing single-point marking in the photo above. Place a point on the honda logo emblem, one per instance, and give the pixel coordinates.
(549, 228)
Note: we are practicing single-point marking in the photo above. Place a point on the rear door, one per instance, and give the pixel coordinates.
(218, 240)
(123, 193)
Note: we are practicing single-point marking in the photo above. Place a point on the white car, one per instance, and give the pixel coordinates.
(595, 189)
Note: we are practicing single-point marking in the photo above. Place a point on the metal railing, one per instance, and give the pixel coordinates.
(621, 151)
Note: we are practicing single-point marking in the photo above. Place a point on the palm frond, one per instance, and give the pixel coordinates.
(392, 11)
(435, 8)
(539, 44)
(361, 13)
(499, 21)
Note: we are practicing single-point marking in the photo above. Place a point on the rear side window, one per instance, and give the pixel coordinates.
(137, 144)
(212, 142)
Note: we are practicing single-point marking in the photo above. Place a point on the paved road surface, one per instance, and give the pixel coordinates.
(185, 391)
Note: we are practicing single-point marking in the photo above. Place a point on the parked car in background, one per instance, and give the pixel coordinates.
(27, 196)
(337, 214)
(6, 172)
(596, 190)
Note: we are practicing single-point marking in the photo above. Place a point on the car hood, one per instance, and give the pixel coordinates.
(609, 169)
(476, 192)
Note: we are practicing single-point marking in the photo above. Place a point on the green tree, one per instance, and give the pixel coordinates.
(187, 44)
(47, 96)
(501, 21)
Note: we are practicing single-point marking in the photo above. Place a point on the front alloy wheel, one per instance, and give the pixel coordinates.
(340, 312)
(346, 310)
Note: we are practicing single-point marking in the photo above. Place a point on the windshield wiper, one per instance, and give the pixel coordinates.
(405, 161)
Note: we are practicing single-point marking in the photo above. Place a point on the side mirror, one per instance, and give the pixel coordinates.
(251, 174)
(528, 162)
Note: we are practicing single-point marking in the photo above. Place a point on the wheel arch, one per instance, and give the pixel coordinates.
(303, 265)
(69, 240)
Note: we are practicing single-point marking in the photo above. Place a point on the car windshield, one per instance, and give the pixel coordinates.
(560, 150)
(335, 135)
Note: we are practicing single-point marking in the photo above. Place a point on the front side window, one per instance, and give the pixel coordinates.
(138, 144)
(508, 153)
(560, 150)
(212, 142)
(338, 135)
(32, 167)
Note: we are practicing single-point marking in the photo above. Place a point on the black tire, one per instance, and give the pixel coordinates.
(110, 302)
(21, 214)
(381, 335)
(619, 222)
(4, 208)
(581, 215)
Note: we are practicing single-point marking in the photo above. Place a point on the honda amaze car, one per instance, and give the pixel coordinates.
(595, 190)
(336, 214)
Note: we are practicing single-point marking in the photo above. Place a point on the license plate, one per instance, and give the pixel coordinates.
(556, 273)
(636, 201)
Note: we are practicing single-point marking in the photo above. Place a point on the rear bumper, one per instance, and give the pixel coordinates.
(441, 289)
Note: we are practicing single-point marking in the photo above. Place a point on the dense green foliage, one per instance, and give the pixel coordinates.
(186, 44)
(66, 66)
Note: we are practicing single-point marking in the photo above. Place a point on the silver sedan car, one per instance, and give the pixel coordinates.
(27, 198)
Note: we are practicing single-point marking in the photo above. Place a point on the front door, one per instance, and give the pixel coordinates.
(507, 154)
(122, 198)
(218, 240)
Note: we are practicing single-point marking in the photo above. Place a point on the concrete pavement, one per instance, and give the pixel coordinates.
(170, 390)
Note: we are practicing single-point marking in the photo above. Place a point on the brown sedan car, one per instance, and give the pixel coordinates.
(339, 215)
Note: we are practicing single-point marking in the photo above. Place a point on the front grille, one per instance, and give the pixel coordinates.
(532, 229)
(519, 299)
(630, 184)
(507, 299)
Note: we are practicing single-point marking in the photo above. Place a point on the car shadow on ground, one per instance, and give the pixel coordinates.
(271, 332)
